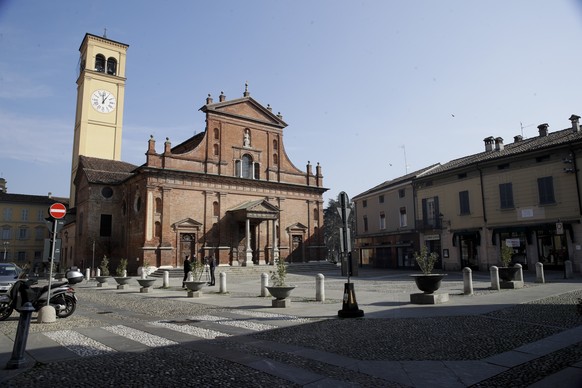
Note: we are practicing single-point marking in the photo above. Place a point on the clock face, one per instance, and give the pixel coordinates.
(103, 101)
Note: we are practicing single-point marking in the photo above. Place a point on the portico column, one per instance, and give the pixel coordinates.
(249, 261)
(274, 244)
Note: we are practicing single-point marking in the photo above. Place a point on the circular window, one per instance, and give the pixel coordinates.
(107, 192)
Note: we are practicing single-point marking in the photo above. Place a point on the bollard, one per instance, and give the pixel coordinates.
(124, 274)
(98, 272)
(568, 269)
(166, 283)
(494, 271)
(144, 273)
(519, 274)
(264, 284)
(320, 288)
(190, 277)
(540, 273)
(17, 360)
(467, 281)
(222, 282)
(87, 273)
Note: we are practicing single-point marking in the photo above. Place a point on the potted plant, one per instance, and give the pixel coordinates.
(280, 290)
(122, 279)
(427, 282)
(145, 282)
(104, 267)
(196, 283)
(506, 272)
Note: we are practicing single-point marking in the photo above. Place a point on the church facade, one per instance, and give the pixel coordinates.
(230, 192)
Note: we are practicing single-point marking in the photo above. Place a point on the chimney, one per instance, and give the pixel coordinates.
(543, 128)
(222, 97)
(208, 99)
(517, 138)
(498, 144)
(489, 143)
(575, 123)
(167, 147)
(151, 145)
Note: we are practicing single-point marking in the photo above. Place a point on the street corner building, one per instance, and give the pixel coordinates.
(230, 191)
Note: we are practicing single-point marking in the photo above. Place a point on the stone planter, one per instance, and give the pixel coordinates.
(428, 283)
(101, 280)
(195, 288)
(146, 284)
(280, 292)
(122, 282)
(507, 274)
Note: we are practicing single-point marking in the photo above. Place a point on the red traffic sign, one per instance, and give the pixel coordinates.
(57, 210)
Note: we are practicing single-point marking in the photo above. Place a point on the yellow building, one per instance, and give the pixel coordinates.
(23, 226)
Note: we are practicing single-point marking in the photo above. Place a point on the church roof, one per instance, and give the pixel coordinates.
(105, 171)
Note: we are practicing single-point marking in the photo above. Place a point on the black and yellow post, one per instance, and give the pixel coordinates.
(350, 305)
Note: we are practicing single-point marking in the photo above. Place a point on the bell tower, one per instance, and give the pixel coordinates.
(100, 95)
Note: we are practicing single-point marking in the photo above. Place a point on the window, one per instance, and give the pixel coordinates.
(21, 256)
(215, 209)
(364, 203)
(541, 159)
(430, 212)
(111, 66)
(105, 226)
(39, 233)
(503, 166)
(365, 223)
(275, 159)
(275, 145)
(23, 233)
(107, 192)
(215, 149)
(506, 196)
(7, 214)
(464, 202)
(382, 221)
(403, 218)
(40, 216)
(100, 63)
(24, 215)
(247, 166)
(381, 199)
(159, 206)
(6, 233)
(216, 133)
(401, 193)
(546, 190)
(158, 229)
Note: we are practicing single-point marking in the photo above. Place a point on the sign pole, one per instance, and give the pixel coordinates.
(52, 260)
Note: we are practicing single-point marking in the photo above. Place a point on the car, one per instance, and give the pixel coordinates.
(9, 273)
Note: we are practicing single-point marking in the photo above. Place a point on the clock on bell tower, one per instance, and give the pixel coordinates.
(100, 92)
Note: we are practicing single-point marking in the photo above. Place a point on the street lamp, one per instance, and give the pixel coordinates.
(5, 243)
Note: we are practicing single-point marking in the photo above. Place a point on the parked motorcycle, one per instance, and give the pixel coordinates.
(63, 297)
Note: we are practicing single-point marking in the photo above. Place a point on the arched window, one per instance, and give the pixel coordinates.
(247, 166)
(216, 133)
(158, 205)
(158, 229)
(100, 63)
(215, 149)
(275, 145)
(315, 214)
(275, 159)
(215, 209)
(111, 66)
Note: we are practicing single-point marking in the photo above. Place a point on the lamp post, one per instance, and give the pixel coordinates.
(5, 243)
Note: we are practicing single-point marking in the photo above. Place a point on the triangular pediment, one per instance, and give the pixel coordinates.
(187, 223)
(259, 209)
(245, 108)
(297, 226)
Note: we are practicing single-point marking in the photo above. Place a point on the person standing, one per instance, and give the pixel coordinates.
(187, 269)
(212, 265)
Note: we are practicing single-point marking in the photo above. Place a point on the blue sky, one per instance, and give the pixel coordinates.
(370, 89)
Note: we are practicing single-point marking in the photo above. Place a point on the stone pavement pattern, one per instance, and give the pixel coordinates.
(492, 339)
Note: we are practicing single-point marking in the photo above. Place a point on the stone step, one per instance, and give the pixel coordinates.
(297, 268)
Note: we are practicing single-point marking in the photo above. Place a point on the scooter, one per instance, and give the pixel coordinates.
(63, 297)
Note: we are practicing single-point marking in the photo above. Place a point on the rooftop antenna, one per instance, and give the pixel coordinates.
(405, 161)
(522, 127)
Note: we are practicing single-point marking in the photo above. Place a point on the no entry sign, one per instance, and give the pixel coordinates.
(57, 210)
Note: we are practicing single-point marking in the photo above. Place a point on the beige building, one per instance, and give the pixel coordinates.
(24, 228)
(525, 194)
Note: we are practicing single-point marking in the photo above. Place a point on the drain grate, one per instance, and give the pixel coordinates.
(105, 312)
